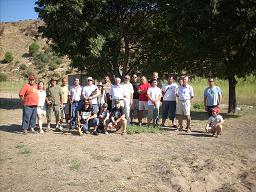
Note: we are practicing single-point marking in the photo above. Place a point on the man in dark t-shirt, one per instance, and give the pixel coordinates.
(88, 119)
(118, 120)
(135, 103)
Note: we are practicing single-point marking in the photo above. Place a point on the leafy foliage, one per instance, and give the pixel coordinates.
(3, 77)
(34, 48)
(8, 57)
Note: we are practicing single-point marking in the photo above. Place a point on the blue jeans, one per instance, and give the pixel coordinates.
(75, 106)
(29, 117)
(168, 107)
(92, 123)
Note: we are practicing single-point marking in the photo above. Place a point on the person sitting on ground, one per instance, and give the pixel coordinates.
(103, 118)
(87, 119)
(117, 117)
(215, 122)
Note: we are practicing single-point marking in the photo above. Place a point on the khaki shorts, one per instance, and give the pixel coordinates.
(183, 108)
(143, 105)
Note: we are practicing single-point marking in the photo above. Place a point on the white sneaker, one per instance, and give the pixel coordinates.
(61, 128)
(41, 131)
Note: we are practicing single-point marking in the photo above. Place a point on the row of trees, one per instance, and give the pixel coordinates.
(201, 37)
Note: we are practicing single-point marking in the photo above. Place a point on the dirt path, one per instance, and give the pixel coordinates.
(166, 161)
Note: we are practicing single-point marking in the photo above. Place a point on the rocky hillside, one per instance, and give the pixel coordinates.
(16, 37)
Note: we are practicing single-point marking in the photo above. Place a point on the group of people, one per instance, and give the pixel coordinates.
(104, 107)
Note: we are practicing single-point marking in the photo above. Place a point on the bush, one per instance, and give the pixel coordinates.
(53, 66)
(3, 77)
(198, 106)
(33, 48)
(8, 57)
(23, 67)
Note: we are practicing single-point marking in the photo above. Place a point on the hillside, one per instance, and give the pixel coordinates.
(16, 37)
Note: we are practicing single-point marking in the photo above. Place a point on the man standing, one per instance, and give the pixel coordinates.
(54, 100)
(143, 99)
(169, 101)
(212, 96)
(154, 95)
(107, 86)
(117, 92)
(184, 93)
(135, 102)
(65, 109)
(29, 97)
(75, 99)
(155, 76)
(128, 98)
(91, 92)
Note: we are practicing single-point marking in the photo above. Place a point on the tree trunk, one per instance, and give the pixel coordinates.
(232, 94)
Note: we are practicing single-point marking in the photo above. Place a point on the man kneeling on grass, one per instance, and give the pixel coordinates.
(87, 119)
(118, 120)
(215, 122)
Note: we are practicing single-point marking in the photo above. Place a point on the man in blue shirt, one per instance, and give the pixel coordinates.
(212, 96)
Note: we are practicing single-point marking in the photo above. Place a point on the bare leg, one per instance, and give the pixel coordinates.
(180, 121)
(163, 122)
(188, 122)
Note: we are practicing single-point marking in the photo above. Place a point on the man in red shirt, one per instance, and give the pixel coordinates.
(29, 97)
(143, 99)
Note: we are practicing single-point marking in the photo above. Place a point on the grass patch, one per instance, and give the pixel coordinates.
(25, 151)
(133, 129)
(75, 165)
(20, 146)
(11, 86)
(98, 157)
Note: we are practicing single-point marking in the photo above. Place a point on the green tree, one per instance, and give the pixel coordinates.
(100, 37)
(34, 48)
(8, 57)
(216, 37)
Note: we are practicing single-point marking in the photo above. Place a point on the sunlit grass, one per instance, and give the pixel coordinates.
(11, 86)
(245, 89)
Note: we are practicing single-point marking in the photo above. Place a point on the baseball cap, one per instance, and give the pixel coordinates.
(90, 78)
(216, 109)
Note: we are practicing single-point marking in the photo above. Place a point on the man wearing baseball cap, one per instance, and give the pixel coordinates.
(29, 97)
(54, 100)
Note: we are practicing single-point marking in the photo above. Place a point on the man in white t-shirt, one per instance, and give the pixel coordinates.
(154, 94)
(169, 101)
(184, 93)
(117, 92)
(91, 92)
(75, 99)
(128, 97)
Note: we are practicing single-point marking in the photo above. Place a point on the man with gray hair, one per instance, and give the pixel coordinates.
(184, 93)
(128, 97)
(117, 92)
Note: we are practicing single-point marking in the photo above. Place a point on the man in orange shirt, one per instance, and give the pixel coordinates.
(29, 97)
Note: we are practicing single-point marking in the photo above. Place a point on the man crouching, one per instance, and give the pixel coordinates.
(118, 121)
(215, 122)
(87, 119)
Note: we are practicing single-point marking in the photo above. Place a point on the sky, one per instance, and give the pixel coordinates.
(15, 10)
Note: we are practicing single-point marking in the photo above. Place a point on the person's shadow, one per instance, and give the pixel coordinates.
(13, 128)
(10, 103)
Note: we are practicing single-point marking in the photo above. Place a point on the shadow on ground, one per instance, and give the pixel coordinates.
(10, 103)
(200, 115)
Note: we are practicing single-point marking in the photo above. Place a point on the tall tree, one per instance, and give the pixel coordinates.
(218, 36)
(99, 36)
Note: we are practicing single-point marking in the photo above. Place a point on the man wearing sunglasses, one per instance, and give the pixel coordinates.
(212, 96)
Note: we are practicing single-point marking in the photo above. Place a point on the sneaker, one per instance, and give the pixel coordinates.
(95, 133)
(87, 132)
(41, 132)
(33, 131)
(140, 124)
(188, 130)
(25, 131)
(106, 133)
(60, 128)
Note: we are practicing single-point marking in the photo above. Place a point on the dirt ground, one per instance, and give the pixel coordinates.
(165, 161)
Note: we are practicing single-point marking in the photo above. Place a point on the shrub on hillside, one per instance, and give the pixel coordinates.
(23, 67)
(33, 48)
(52, 66)
(8, 57)
(3, 77)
